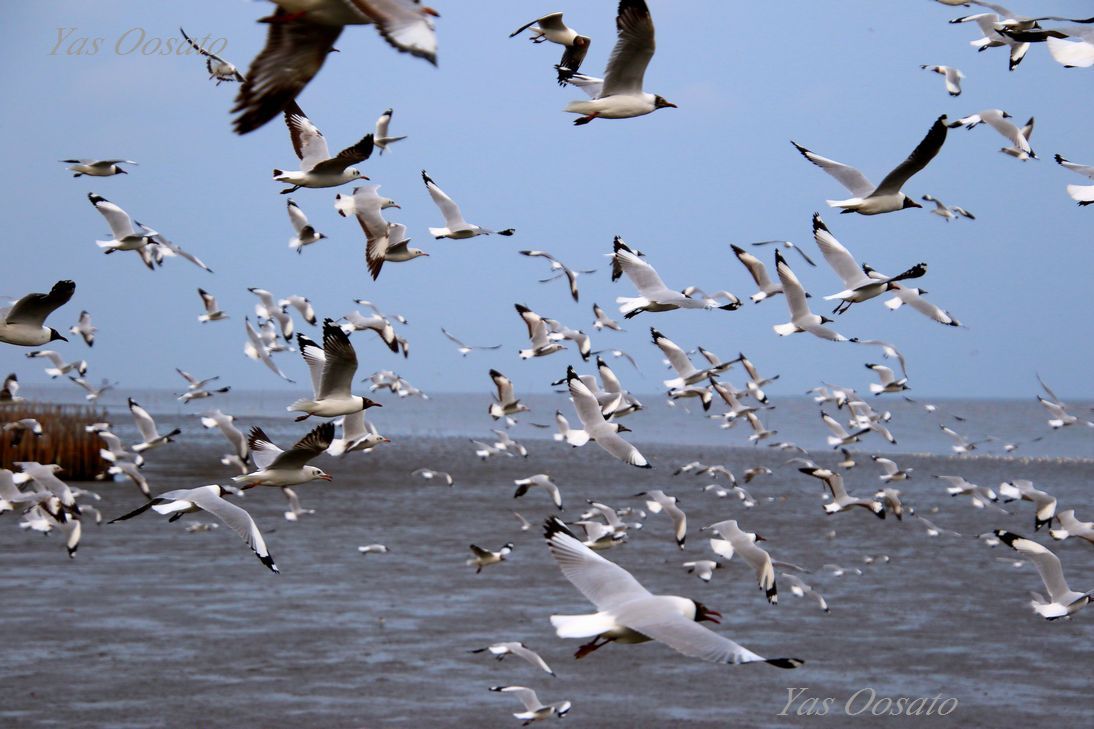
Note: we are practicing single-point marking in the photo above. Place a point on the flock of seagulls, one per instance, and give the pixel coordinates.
(300, 36)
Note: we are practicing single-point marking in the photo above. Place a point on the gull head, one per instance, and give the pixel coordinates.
(910, 203)
(702, 612)
(55, 335)
(366, 404)
(416, 252)
(355, 174)
(317, 474)
(389, 203)
(660, 102)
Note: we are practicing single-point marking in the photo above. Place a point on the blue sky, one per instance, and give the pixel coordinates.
(681, 185)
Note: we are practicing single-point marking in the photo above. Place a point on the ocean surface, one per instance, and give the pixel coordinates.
(151, 626)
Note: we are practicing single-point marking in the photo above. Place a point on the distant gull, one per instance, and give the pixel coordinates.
(85, 329)
(758, 271)
(505, 401)
(212, 311)
(606, 434)
(305, 232)
(945, 212)
(952, 75)
(485, 558)
(218, 68)
(455, 226)
(366, 205)
(464, 349)
(801, 318)
(98, 167)
(653, 294)
(380, 136)
(841, 500)
(551, 28)
(534, 709)
(146, 426)
(735, 540)
(60, 367)
(518, 649)
(997, 120)
(657, 501)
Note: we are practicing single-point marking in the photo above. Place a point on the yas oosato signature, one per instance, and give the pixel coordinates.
(866, 702)
(135, 40)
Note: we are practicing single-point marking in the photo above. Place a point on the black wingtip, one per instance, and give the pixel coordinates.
(553, 525)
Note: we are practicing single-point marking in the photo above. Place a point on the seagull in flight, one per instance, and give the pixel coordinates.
(211, 499)
(629, 613)
(218, 68)
(1063, 601)
(465, 349)
(801, 318)
(886, 197)
(551, 28)
(456, 227)
(97, 167)
(301, 35)
(317, 167)
(619, 94)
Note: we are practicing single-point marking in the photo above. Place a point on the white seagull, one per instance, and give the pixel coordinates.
(606, 434)
(60, 367)
(255, 348)
(858, 285)
(945, 212)
(628, 613)
(212, 311)
(218, 68)
(23, 323)
(841, 500)
(465, 349)
(456, 227)
(953, 77)
(317, 167)
(541, 480)
(653, 294)
(485, 558)
(1070, 526)
(737, 541)
(98, 167)
(366, 205)
(518, 649)
(551, 28)
(332, 368)
(886, 197)
(997, 120)
(1082, 194)
(1063, 601)
(913, 297)
(505, 401)
(305, 232)
(619, 94)
(85, 329)
(538, 332)
(210, 499)
(380, 136)
(758, 271)
(150, 436)
(889, 382)
(534, 709)
(658, 501)
(286, 468)
(801, 318)
(126, 235)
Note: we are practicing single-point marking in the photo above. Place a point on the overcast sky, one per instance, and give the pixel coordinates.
(842, 78)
